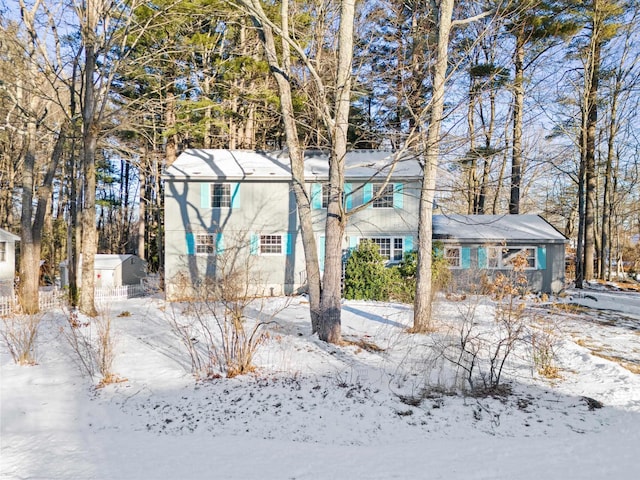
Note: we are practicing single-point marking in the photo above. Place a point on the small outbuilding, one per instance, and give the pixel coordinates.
(481, 246)
(7, 261)
(111, 270)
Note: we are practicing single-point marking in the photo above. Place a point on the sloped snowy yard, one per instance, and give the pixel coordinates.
(313, 410)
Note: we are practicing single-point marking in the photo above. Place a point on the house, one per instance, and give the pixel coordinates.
(110, 271)
(225, 206)
(483, 245)
(7, 261)
(222, 204)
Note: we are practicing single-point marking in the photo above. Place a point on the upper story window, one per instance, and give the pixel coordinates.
(220, 195)
(3, 251)
(384, 195)
(505, 257)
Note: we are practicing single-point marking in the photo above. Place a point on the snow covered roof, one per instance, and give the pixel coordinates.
(109, 262)
(8, 236)
(256, 165)
(483, 228)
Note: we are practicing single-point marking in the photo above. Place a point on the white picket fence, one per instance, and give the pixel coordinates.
(53, 298)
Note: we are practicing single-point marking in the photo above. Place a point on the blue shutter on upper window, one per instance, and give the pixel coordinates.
(205, 195)
(542, 258)
(465, 260)
(254, 245)
(191, 243)
(367, 192)
(234, 188)
(482, 257)
(398, 195)
(348, 198)
(316, 196)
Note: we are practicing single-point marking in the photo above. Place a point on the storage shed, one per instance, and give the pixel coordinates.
(111, 270)
(482, 245)
(7, 261)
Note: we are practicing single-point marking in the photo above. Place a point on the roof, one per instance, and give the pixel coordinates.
(256, 165)
(501, 228)
(105, 261)
(8, 236)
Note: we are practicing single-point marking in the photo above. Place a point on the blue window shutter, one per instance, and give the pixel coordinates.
(316, 196)
(482, 257)
(542, 258)
(191, 244)
(321, 253)
(255, 244)
(288, 243)
(398, 195)
(367, 192)
(219, 244)
(465, 260)
(353, 242)
(235, 195)
(408, 244)
(205, 195)
(348, 198)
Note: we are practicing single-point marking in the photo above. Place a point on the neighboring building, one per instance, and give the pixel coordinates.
(7, 262)
(483, 245)
(110, 271)
(222, 204)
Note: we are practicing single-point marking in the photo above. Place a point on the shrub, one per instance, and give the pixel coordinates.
(366, 276)
(19, 334)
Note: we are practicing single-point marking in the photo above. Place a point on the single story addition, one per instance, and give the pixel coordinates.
(487, 244)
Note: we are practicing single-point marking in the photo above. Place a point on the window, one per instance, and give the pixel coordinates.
(325, 195)
(270, 244)
(205, 243)
(385, 198)
(220, 195)
(390, 248)
(503, 257)
(453, 256)
(3, 251)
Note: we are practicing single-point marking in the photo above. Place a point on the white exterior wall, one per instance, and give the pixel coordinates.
(8, 265)
(263, 207)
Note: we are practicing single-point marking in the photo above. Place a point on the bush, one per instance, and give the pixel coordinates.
(366, 276)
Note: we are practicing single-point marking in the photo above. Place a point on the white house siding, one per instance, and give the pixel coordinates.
(262, 208)
(7, 262)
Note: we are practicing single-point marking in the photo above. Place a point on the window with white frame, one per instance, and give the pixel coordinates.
(206, 243)
(3, 251)
(220, 195)
(389, 247)
(384, 195)
(453, 256)
(504, 257)
(270, 244)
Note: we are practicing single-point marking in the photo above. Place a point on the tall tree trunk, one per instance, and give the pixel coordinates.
(518, 109)
(590, 162)
(89, 147)
(281, 74)
(330, 305)
(422, 314)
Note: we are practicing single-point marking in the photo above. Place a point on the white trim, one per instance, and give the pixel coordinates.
(453, 247)
(501, 265)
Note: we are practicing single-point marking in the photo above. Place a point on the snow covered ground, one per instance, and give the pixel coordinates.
(317, 411)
